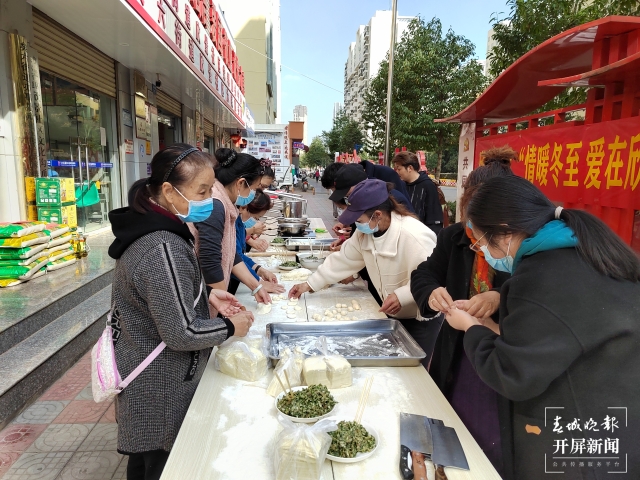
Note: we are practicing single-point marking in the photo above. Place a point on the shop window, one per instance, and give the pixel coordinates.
(80, 144)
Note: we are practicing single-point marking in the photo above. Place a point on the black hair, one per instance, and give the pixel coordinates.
(233, 165)
(268, 172)
(185, 170)
(260, 203)
(512, 204)
(328, 179)
(407, 159)
(493, 167)
(391, 205)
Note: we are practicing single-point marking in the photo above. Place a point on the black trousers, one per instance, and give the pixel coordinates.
(424, 333)
(146, 465)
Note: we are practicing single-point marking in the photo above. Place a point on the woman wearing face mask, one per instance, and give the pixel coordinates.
(247, 218)
(237, 177)
(259, 228)
(456, 275)
(157, 297)
(391, 243)
(569, 330)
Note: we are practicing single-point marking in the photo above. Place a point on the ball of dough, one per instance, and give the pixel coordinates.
(291, 315)
(284, 307)
(334, 312)
(350, 309)
(297, 308)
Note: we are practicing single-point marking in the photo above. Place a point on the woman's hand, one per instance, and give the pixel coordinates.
(460, 320)
(224, 302)
(257, 229)
(242, 322)
(267, 275)
(297, 290)
(262, 296)
(259, 244)
(271, 287)
(481, 305)
(440, 300)
(391, 305)
(336, 244)
(348, 280)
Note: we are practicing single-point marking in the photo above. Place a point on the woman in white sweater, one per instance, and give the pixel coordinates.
(391, 243)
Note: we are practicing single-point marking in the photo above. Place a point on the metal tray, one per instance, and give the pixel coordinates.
(391, 330)
(295, 244)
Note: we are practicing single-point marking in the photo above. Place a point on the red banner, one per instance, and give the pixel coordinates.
(588, 164)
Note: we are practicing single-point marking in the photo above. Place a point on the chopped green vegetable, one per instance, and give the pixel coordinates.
(278, 240)
(321, 230)
(289, 264)
(350, 439)
(311, 257)
(313, 401)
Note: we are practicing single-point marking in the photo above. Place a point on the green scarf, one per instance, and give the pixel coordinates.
(555, 234)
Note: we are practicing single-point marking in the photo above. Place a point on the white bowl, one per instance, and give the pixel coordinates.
(311, 264)
(288, 269)
(297, 419)
(360, 456)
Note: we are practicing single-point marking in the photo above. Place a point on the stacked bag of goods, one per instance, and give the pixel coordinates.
(23, 253)
(61, 252)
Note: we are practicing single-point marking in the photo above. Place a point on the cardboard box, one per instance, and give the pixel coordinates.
(66, 214)
(54, 191)
(32, 212)
(30, 187)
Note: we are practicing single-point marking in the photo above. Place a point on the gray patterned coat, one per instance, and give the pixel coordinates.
(156, 280)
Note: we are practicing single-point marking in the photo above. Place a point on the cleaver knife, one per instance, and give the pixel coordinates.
(447, 450)
(415, 442)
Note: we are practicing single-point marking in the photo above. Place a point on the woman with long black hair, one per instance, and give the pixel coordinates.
(158, 297)
(568, 349)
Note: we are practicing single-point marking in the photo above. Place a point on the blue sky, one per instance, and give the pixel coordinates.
(316, 37)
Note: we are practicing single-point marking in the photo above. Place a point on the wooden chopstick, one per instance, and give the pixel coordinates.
(363, 399)
(280, 382)
(286, 376)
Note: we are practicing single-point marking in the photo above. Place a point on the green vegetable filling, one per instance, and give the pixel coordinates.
(350, 439)
(278, 240)
(289, 264)
(310, 402)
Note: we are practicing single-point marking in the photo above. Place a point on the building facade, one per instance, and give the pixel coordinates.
(337, 110)
(365, 55)
(255, 25)
(90, 91)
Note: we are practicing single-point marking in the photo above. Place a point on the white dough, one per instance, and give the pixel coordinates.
(284, 307)
(354, 318)
(297, 308)
(355, 304)
(291, 315)
(327, 312)
(334, 312)
(263, 308)
(350, 309)
(291, 304)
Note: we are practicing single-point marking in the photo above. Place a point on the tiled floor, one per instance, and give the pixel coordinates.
(63, 435)
(66, 435)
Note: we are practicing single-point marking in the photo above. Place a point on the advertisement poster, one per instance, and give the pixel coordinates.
(128, 146)
(271, 146)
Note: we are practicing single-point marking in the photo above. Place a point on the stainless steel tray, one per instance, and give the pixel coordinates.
(295, 244)
(391, 330)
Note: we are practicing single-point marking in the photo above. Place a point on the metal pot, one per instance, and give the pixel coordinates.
(292, 228)
(294, 208)
(293, 220)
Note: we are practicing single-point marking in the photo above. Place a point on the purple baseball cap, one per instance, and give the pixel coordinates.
(366, 195)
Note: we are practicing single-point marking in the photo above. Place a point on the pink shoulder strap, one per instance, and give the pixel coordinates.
(152, 356)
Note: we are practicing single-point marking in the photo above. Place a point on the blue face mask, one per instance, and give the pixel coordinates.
(199, 210)
(365, 228)
(244, 201)
(504, 264)
(250, 222)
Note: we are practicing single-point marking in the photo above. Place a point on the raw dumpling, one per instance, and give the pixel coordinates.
(263, 308)
(291, 315)
(297, 308)
(350, 309)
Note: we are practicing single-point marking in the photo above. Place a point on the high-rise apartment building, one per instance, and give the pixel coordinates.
(337, 109)
(365, 55)
(300, 115)
(255, 25)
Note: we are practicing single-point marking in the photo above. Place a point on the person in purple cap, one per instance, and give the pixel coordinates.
(390, 242)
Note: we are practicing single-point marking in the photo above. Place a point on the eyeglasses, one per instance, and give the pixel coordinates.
(475, 247)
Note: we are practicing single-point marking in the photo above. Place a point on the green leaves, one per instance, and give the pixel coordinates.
(317, 155)
(343, 136)
(350, 439)
(435, 76)
(310, 402)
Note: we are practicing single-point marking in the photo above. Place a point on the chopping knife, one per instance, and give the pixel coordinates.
(418, 439)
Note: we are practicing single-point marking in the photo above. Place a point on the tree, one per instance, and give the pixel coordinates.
(317, 155)
(344, 135)
(435, 76)
(531, 22)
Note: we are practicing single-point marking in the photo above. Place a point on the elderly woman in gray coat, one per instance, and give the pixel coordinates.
(158, 297)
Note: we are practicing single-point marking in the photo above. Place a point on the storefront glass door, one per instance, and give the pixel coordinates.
(81, 145)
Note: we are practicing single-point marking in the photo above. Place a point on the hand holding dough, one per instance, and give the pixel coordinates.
(263, 308)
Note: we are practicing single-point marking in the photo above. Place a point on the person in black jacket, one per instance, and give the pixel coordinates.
(423, 192)
(567, 354)
(386, 174)
(455, 274)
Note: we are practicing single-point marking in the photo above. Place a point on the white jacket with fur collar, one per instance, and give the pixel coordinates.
(389, 259)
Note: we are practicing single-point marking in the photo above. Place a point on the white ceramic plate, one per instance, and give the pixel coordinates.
(288, 269)
(303, 420)
(360, 456)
